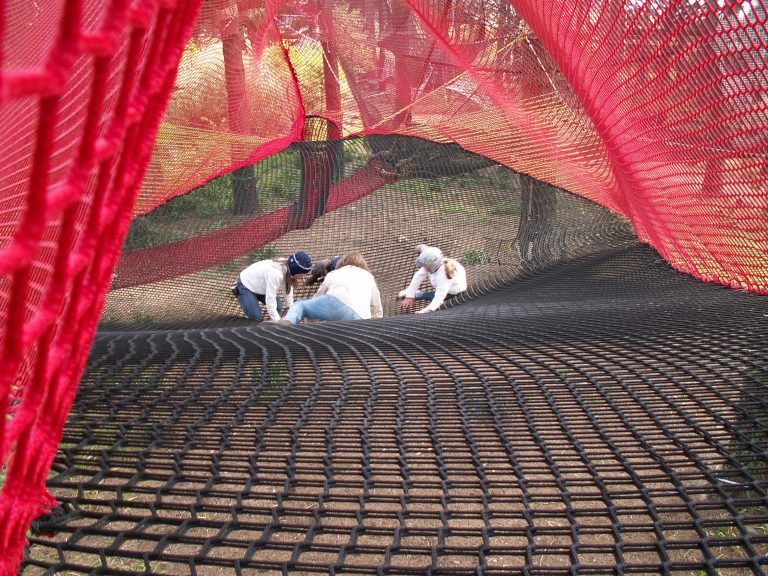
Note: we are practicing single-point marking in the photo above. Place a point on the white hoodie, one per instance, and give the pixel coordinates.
(267, 278)
(356, 288)
(440, 282)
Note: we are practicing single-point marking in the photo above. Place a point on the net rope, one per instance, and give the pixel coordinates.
(583, 407)
(83, 87)
(653, 109)
(604, 416)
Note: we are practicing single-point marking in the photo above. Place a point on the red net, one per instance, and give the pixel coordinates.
(656, 109)
(83, 87)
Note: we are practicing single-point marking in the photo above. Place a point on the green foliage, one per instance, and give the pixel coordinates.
(506, 210)
(278, 373)
(212, 203)
(427, 189)
(285, 182)
(107, 319)
(145, 233)
(263, 253)
(130, 565)
(279, 177)
(211, 199)
(165, 223)
(501, 178)
(140, 235)
(724, 532)
(355, 153)
(452, 208)
(472, 257)
(276, 379)
(135, 318)
(142, 318)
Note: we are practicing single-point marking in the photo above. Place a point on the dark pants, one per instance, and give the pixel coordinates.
(249, 302)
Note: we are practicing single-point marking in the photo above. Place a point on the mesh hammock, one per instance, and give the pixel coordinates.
(589, 405)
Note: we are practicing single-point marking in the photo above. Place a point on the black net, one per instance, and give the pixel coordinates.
(584, 409)
(180, 260)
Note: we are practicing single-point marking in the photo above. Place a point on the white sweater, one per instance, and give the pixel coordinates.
(440, 282)
(356, 288)
(267, 278)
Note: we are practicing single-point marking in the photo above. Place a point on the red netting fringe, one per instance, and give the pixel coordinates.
(83, 88)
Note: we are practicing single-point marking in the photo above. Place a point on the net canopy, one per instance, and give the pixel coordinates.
(555, 148)
(655, 109)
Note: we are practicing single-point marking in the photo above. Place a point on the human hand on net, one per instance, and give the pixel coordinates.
(406, 303)
(423, 311)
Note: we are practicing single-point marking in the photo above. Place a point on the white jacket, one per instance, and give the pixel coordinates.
(356, 288)
(267, 278)
(440, 282)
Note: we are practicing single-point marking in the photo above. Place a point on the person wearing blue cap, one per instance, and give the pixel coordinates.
(320, 269)
(347, 293)
(263, 280)
(447, 277)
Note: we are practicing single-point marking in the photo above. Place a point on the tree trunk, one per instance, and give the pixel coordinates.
(245, 192)
(332, 91)
(537, 234)
(245, 196)
(333, 106)
(404, 72)
(321, 162)
(319, 171)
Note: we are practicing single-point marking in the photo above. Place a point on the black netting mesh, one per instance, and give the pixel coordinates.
(584, 410)
(496, 222)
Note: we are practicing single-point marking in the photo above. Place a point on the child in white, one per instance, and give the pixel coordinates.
(263, 280)
(447, 276)
(348, 293)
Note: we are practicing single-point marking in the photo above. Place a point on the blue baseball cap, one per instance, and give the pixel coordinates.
(299, 263)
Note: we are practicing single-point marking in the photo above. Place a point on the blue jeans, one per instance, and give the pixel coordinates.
(249, 302)
(323, 307)
(429, 295)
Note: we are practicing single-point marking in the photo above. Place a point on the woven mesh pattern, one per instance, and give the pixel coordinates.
(177, 265)
(655, 110)
(604, 417)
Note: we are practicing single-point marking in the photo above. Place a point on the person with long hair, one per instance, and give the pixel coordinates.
(446, 275)
(262, 281)
(349, 292)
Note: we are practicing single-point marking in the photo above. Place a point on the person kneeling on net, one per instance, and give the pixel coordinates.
(446, 275)
(262, 281)
(348, 293)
